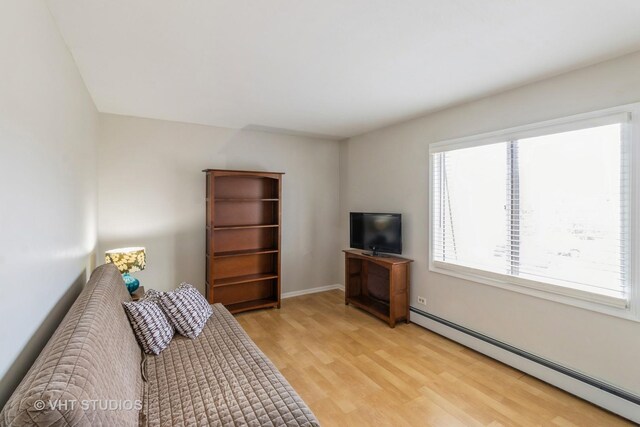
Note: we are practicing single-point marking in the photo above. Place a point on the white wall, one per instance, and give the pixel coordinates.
(386, 170)
(152, 194)
(48, 135)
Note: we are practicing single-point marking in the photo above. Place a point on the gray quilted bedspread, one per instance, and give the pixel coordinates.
(92, 356)
(220, 378)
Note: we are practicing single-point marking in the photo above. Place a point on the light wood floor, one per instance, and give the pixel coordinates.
(352, 369)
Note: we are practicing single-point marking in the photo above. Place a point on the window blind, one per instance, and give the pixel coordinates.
(545, 210)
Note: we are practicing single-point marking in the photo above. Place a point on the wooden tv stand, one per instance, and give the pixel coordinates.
(378, 284)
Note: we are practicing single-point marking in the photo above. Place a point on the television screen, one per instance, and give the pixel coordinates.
(378, 232)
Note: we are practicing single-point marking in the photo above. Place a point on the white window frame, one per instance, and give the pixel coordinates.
(628, 308)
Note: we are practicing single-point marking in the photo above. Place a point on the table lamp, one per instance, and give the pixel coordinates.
(128, 260)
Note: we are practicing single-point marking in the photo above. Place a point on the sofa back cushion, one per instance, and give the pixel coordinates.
(89, 371)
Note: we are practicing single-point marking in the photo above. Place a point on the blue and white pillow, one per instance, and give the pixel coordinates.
(186, 309)
(150, 325)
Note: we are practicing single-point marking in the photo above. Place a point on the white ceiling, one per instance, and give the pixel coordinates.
(329, 67)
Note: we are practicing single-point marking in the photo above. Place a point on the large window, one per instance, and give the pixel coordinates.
(543, 208)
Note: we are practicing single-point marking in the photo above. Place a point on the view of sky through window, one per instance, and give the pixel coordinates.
(549, 208)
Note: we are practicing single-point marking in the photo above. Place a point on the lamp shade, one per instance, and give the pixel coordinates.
(128, 260)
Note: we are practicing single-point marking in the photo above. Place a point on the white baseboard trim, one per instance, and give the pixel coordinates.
(592, 390)
(312, 291)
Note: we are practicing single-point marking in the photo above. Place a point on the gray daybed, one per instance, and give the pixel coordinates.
(92, 372)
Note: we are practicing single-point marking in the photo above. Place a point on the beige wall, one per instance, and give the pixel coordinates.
(48, 134)
(152, 190)
(386, 170)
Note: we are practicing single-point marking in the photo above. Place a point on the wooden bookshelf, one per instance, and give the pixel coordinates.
(243, 221)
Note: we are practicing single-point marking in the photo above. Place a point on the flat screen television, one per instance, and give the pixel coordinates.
(377, 232)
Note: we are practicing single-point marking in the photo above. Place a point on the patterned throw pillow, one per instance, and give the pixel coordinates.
(186, 309)
(150, 325)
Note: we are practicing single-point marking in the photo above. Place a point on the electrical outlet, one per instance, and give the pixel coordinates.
(422, 300)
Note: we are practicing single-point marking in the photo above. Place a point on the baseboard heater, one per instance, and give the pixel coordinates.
(608, 388)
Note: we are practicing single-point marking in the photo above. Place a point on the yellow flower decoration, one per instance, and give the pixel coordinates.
(127, 260)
